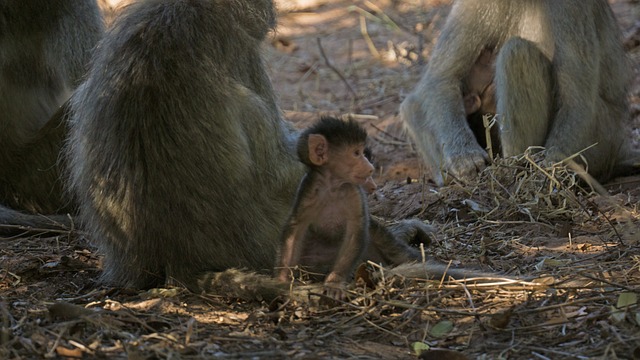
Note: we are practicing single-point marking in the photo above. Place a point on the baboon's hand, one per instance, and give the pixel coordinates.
(465, 165)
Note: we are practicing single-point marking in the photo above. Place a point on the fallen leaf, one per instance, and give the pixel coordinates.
(441, 329)
(420, 347)
(627, 299)
(363, 275)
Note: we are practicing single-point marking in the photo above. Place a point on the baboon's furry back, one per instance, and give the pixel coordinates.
(180, 161)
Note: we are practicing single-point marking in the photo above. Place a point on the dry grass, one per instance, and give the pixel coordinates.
(576, 274)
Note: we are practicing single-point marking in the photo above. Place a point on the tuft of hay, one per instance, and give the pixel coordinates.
(525, 188)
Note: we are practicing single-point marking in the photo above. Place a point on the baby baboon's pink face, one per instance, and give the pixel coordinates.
(350, 164)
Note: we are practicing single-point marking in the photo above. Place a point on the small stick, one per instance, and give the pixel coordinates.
(334, 69)
(367, 38)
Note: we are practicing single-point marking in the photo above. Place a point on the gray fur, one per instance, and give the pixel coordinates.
(45, 46)
(179, 159)
(577, 41)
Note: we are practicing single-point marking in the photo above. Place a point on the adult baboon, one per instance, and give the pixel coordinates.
(178, 155)
(560, 82)
(44, 48)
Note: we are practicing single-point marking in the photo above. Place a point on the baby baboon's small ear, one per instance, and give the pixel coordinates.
(318, 149)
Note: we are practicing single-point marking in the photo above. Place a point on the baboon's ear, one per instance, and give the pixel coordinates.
(318, 149)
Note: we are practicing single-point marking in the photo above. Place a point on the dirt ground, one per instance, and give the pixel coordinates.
(576, 254)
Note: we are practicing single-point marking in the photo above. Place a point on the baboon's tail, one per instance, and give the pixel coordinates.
(13, 222)
(436, 270)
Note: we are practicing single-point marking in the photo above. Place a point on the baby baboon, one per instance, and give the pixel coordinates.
(45, 46)
(328, 229)
(560, 82)
(478, 97)
(478, 90)
(478, 86)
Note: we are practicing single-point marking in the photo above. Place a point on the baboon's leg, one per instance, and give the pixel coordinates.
(524, 93)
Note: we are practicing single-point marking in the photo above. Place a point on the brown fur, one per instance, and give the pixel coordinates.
(328, 229)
